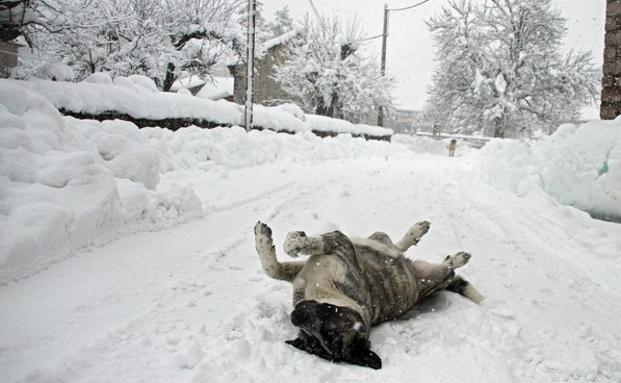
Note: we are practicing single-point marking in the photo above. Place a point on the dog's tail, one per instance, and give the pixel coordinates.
(461, 286)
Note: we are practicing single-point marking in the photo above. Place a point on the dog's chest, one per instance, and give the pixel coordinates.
(391, 282)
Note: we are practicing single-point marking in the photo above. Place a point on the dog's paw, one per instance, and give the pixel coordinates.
(295, 243)
(262, 229)
(420, 229)
(457, 260)
(263, 238)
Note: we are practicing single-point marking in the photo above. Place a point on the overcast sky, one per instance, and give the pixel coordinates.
(410, 57)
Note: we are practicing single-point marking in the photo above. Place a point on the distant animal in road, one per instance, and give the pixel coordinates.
(348, 285)
(451, 147)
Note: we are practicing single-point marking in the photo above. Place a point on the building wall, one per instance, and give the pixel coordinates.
(402, 121)
(8, 56)
(266, 90)
(611, 83)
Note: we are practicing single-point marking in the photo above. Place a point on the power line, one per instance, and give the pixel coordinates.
(380, 114)
(409, 7)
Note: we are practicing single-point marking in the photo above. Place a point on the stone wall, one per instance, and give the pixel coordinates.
(611, 83)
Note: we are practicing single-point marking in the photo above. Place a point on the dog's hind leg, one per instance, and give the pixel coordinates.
(413, 235)
(433, 277)
(286, 271)
(457, 260)
(462, 287)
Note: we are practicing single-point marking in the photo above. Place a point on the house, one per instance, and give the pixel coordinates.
(8, 56)
(402, 120)
(269, 56)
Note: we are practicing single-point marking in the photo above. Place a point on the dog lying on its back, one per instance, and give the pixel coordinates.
(348, 285)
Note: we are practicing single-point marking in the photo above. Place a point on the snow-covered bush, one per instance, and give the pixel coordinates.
(157, 39)
(328, 73)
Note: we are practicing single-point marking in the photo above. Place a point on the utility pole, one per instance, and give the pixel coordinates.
(380, 113)
(248, 112)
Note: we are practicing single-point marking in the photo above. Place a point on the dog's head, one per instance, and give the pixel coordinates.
(333, 332)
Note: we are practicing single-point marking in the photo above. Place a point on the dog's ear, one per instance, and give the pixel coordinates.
(297, 343)
(366, 358)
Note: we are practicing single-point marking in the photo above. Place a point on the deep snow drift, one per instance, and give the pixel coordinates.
(578, 165)
(168, 301)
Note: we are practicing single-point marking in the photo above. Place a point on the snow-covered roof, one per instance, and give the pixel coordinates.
(271, 43)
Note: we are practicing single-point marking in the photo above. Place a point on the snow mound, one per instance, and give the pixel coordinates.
(54, 71)
(144, 82)
(295, 110)
(578, 165)
(98, 78)
(66, 183)
(196, 148)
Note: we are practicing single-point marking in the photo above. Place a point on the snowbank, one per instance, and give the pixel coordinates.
(136, 96)
(66, 183)
(579, 166)
(327, 124)
(196, 148)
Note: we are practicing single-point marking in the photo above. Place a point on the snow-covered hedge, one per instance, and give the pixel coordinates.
(137, 97)
(577, 165)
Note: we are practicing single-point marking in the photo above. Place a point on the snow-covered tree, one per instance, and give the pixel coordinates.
(501, 70)
(326, 71)
(281, 23)
(161, 39)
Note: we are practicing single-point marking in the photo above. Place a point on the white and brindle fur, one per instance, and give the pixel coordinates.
(348, 285)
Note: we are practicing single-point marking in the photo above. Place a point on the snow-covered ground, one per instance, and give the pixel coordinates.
(127, 255)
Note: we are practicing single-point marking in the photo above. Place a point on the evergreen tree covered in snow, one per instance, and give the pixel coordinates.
(326, 71)
(501, 70)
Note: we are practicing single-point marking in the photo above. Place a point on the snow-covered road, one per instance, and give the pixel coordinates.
(190, 303)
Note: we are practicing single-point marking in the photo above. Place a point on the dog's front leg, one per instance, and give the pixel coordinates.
(413, 235)
(334, 243)
(286, 271)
